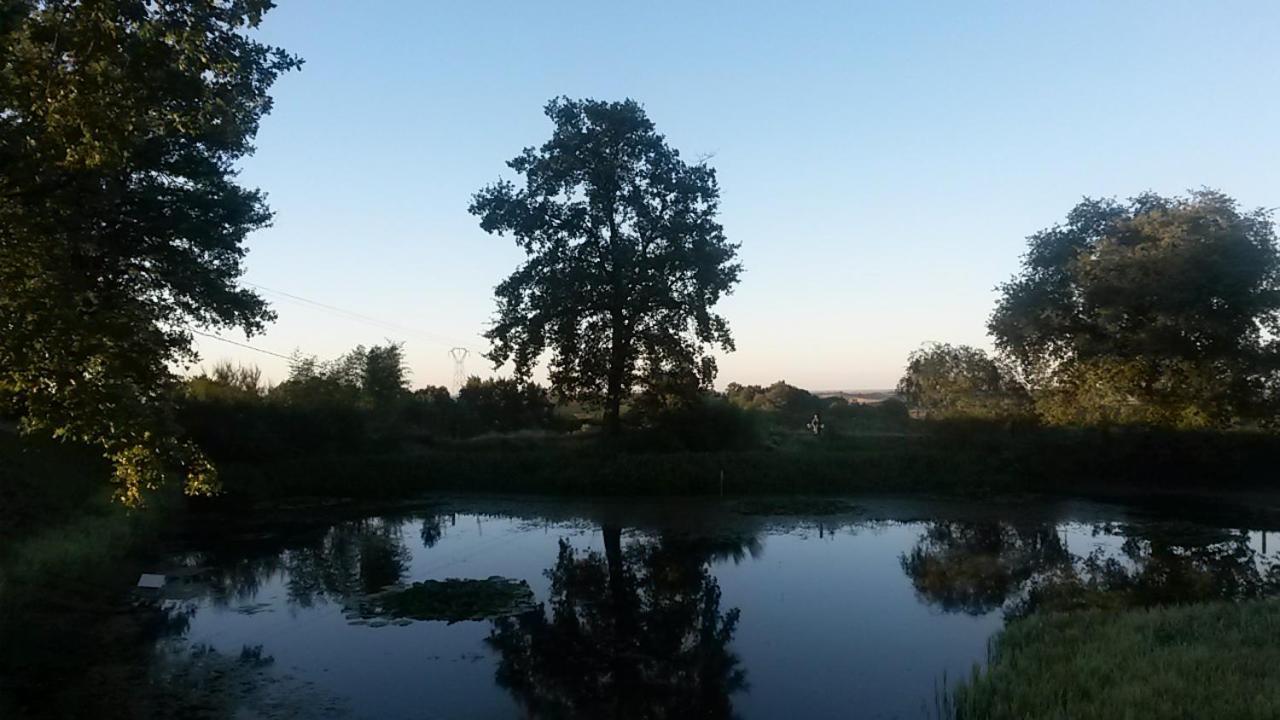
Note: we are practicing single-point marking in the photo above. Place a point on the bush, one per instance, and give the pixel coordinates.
(708, 422)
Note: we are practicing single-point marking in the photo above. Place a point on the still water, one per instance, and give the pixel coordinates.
(679, 608)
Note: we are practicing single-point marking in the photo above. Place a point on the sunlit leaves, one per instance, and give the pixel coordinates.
(120, 220)
(1161, 310)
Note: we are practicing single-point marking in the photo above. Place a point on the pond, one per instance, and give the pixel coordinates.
(751, 608)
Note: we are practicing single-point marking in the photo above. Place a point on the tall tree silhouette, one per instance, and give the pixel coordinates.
(625, 257)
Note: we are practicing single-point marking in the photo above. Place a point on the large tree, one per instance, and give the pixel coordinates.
(1160, 310)
(121, 222)
(625, 257)
(957, 381)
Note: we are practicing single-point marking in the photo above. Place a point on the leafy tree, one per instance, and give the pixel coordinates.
(121, 223)
(228, 382)
(502, 405)
(1162, 310)
(374, 376)
(385, 377)
(952, 381)
(625, 258)
(781, 397)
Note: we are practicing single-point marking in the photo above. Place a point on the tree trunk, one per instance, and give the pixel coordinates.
(617, 366)
(613, 408)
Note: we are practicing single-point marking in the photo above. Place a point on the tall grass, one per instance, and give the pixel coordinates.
(67, 556)
(954, 460)
(1213, 660)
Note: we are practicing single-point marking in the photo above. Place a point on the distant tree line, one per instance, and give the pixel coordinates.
(359, 401)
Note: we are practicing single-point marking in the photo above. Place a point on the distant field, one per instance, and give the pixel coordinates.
(860, 397)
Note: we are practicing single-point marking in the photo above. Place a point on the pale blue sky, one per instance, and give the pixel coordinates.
(880, 163)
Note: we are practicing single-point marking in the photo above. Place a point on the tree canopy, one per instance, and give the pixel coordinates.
(952, 381)
(625, 258)
(121, 222)
(1160, 310)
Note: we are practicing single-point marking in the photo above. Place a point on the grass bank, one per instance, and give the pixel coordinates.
(68, 555)
(1214, 660)
(969, 461)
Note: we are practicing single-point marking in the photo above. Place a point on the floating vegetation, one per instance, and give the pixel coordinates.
(449, 600)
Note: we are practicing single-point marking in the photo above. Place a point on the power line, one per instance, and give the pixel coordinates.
(239, 344)
(361, 317)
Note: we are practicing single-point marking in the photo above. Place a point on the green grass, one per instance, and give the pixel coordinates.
(980, 461)
(67, 558)
(1215, 660)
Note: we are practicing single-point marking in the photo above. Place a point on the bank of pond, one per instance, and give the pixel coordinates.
(759, 606)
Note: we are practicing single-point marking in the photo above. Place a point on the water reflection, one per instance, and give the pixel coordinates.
(660, 612)
(353, 558)
(979, 567)
(1159, 565)
(976, 567)
(634, 632)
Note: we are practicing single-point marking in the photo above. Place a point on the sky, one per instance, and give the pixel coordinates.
(881, 164)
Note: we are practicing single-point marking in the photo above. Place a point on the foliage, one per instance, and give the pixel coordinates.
(121, 223)
(704, 422)
(1162, 310)
(502, 405)
(957, 381)
(1213, 660)
(795, 403)
(625, 258)
(357, 402)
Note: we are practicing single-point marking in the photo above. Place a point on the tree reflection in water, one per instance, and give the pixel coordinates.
(979, 567)
(975, 567)
(635, 632)
(351, 559)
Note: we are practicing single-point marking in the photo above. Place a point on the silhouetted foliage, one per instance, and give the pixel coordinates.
(625, 257)
(795, 403)
(357, 402)
(1161, 310)
(121, 224)
(502, 405)
(790, 407)
(703, 422)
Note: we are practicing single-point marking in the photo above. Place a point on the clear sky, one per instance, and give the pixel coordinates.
(880, 163)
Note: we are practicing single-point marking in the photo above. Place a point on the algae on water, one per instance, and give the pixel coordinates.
(450, 600)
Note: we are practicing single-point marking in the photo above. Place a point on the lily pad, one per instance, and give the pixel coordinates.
(451, 600)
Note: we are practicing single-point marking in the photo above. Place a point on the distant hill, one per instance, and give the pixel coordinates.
(861, 397)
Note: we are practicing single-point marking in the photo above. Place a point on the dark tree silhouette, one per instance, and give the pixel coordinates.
(625, 257)
(635, 632)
